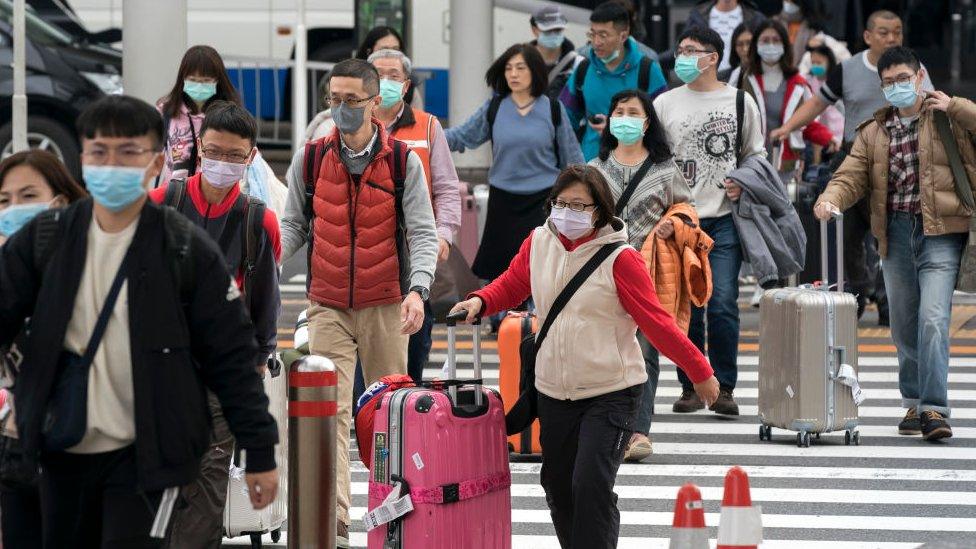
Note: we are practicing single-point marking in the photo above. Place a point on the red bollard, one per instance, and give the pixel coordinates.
(740, 525)
(688, 529)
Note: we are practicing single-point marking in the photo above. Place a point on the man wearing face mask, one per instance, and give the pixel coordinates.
(124, 342)
(614, 63)
(248, 236)
(711, 127)
(899, 162)
(549, 27)
(360, 200)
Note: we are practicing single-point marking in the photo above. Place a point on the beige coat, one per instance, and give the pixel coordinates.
(865, 171)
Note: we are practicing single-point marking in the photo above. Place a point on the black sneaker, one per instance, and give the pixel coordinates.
(689, 402)
(912, 424)
(725, 405)
(934, 426)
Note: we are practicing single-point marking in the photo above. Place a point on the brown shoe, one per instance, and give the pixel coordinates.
(911, 424)
(638, 448)
(342, 535)
(688, 403)
(934, 426)
(725, 404)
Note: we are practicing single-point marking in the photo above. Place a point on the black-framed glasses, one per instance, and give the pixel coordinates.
(889, 83)
(574, 206)
(234, 157)
(692, 51)
(353, 102)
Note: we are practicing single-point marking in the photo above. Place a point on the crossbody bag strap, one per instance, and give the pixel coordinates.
(574, 284)
(632, 186)
(103, 317)
(959, 175)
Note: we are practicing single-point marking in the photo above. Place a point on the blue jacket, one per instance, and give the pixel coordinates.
(600, 85)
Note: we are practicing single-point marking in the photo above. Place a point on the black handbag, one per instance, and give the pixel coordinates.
(67, 411)
(525, 409)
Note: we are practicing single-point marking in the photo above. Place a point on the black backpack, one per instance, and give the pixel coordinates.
(253, 215)
(554, 112)
(643, 81)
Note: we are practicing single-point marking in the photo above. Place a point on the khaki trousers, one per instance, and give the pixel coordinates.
(372, 334)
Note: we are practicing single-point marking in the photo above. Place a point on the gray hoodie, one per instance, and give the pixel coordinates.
(770, 232)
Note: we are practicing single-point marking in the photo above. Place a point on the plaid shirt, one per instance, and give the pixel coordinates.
(903, 195)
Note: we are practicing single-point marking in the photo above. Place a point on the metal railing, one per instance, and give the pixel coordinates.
(264, 84)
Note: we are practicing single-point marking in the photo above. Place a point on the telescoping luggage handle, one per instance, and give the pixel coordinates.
(452, 320)
(824, 259)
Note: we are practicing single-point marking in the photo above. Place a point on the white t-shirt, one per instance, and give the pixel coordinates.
(724, 23)
(111, 417)
(701, 130)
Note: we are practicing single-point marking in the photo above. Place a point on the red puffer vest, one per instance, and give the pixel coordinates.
(357, 251)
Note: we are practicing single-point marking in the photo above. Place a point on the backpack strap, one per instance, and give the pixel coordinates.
(166, 120)
(644, 74)
(556, 113)
(175, 193)
(959, 175)
(496, 101)
(254, 212)
(579, 79)
(314, 153)
(46, 230)
(178, 231)
(740, 111)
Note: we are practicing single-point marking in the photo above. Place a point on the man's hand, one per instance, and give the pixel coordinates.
(824, 210)
(411, 314)
(732, 190)
(473, 306)
(707, 390)
(937, 100)
(598, 128)
(665, 230)
(835, 145)
(779, 134)
(262, 488)
(443, 250)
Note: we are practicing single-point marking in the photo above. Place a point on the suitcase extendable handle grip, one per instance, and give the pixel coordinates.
(824, 259)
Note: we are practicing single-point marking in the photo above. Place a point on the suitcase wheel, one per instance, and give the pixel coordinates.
(803, 440)
(852, 437)
(765, 432)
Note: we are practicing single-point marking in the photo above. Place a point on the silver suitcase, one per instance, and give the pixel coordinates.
(808, 356)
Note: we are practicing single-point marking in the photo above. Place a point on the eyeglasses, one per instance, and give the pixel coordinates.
(125, 155)
(692, 51)
(602, 36)
(233, 157)
(575, 206)
(353, 102)
(889, 83)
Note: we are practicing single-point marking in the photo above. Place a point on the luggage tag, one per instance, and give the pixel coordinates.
(846, 376)
(392, 508)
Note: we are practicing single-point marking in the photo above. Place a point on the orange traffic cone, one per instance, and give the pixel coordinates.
(688, 528)
(740, 525)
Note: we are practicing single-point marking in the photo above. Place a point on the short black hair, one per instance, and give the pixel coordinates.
(358, 68)
(611, 12)
(495, 76)
(898, 55)
(225, 116)
(373, 36)
(704, 36)
(121, 116)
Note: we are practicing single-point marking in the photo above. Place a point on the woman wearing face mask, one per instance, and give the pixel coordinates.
(30, 182)
(528, 151)
(200, 81)
(589, 372)
(779, 90)
(739, 58)
(634, 146)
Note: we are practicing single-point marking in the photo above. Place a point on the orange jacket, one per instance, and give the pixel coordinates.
(679, 265)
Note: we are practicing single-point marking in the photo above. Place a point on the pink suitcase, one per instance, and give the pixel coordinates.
(447, 448)
(474, 205)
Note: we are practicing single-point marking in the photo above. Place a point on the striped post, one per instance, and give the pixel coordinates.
(688, 528)
(312, 453)
(740, 524)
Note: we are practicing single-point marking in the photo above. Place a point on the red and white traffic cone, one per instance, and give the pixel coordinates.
(688, 528)
(740, 524)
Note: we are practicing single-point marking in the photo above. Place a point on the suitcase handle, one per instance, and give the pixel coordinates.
(824, 259)
(452, 320)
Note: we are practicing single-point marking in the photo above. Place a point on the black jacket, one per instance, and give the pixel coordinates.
(177, 352)
(699, 15)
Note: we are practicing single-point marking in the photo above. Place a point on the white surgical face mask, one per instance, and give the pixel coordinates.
(572, 225)
(222, 174)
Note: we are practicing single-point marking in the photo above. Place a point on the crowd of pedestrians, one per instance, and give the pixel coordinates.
(139, 307)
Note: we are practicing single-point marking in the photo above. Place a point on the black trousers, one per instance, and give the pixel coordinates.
(20, 516)
(583, 443)
(861, 262)
(91, 501)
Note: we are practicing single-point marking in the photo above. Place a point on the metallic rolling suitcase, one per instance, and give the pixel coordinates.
(439, 476)
(808, 357)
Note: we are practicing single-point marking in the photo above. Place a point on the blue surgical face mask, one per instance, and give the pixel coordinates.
(551, 39)
(391, 91)
(114, 187)
(901, 95)
(627, 129)
(200, 91)
(12, 218)
(686, 67)
(818, 70)
(610, 58)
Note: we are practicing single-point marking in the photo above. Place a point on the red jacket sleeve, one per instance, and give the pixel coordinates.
(639, 299)
(158, 194)
(815, 132)
(271, 227)
(512, 287)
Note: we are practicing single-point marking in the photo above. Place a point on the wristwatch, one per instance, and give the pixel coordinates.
(423, 292)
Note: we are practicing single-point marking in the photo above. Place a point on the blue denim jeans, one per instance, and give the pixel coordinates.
(722, 310)
(920, 275)
(652, 363)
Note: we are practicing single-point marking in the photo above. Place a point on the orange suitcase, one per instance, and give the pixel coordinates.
(514, 327)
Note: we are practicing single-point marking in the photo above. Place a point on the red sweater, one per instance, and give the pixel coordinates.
(636, 293)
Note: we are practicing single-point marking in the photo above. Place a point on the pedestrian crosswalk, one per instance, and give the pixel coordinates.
(891, 492)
